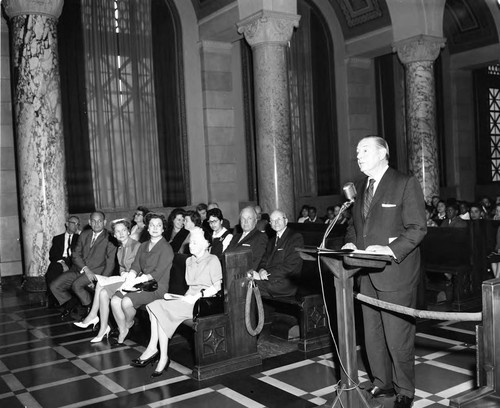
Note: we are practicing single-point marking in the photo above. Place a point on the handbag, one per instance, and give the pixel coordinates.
(148, 286)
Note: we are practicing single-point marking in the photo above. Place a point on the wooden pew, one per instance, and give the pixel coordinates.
(450, 251)
(308, 306)
(221, 343)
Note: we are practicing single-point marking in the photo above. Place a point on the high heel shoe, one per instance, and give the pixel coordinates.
(82, 325)
(156, 373)
(137, 362)
(98, 339)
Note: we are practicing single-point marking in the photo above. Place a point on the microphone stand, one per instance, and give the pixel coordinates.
(344, 207)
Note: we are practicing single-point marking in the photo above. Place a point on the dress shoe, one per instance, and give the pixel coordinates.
(381, 392)
(82, 325)
(156, 373)
(98, 339)
(138, 362)
(402, 401)
(65, 313)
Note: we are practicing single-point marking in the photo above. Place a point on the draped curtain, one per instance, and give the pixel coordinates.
(121, 103)
(312, 106)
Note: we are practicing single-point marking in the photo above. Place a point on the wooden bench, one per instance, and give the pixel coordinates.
(221, 343)
(308, 306)
(450, 251)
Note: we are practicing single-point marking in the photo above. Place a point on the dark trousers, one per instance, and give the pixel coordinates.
(390, 339)
(71, 281)
(54, 270)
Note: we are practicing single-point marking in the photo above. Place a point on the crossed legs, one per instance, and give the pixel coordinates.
(124, 313)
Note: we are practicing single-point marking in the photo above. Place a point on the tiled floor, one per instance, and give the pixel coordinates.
(45, 362)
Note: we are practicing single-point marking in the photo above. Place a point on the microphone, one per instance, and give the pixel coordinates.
(350, 191)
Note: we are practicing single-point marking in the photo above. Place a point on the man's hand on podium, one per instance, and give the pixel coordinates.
(379, 249)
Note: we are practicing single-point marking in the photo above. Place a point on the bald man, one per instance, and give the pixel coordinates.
(281, 263)
(250, 237)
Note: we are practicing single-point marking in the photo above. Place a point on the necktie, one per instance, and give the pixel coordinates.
(93, 240)
(276, 242)
(368, 197)
(68, 251)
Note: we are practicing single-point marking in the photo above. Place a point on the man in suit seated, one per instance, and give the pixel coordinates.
(452, 219)
(60, 252)
(281, 263)
(250, 237)
(94, 255)
(313, 216)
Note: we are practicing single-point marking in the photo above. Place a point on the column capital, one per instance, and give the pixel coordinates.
(418, 48)
(268, 27)
(50, 8)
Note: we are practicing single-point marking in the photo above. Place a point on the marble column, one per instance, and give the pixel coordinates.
(268, 33)
(418, 55)
(38, 130)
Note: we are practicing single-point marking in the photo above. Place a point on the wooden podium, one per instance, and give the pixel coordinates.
(344, 265)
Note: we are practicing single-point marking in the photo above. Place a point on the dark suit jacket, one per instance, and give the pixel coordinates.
(255, 240)
(56, 252)
(100, 258)
(283, 262)
(396, 218)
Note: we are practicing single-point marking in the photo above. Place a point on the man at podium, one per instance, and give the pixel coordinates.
(388, 217)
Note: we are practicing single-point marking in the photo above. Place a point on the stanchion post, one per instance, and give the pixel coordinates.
(489, 353)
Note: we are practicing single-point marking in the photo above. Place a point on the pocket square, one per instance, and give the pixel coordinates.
(280, 249)
(385, 205)
(245, 244)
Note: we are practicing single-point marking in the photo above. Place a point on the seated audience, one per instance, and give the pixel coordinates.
(107, 286)
(496, 216)
(175, 233)
(304, 214)
(60, 252)
(476, 211)
(152, 262)
(440, 215)
(191, 220)
(94, 255)
(428, 215)
(494, 257)
(313, 216)
(464, 210)
(487, 207)
(138, 232)
(434, 202)
(225, 222)
(262, 219)
(452, 219)
(204, 277)
(221, 237)
(281, 263)
(250, 237)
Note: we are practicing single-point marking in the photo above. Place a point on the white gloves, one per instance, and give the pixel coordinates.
(191, 298)
(140, 279)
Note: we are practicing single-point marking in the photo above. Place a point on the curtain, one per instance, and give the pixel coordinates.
(121, 103)
(169, 86)
(74, 111)
(312, 106)
(301, 109)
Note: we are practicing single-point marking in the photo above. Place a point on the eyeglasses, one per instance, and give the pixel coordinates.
(139, 213)
(214, 221)
(73, 222)
(277, 220)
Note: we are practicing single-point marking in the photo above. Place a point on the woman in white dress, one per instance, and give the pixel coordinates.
(204, 277)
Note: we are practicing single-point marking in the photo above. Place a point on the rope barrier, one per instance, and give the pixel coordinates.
(254, 289)
(463, 317)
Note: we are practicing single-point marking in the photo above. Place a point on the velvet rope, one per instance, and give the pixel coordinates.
(463, 317)
(254, 289)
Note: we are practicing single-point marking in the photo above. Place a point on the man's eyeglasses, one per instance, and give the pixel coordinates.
(139, 213)
(276, 220)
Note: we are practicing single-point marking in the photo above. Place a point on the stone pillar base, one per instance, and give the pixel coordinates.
(35, 284)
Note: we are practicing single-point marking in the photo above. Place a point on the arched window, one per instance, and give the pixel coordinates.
(130, 149)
